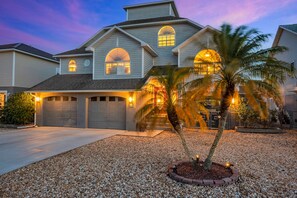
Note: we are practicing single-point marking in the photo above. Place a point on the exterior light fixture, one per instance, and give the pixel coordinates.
(158, 100)
(233, 101)
(131, 100)
(37, 99)
(228, 165)
(197, 158)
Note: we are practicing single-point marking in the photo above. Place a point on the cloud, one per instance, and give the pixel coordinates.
(215, 12)
(17, 36)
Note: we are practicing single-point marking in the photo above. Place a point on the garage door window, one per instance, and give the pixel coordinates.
(57, 98)
(93, 99)
(65, 98)
(112, 99)
(73, 99)
(102, 98)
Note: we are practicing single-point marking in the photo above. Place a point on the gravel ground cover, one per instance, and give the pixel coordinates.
(123, 166)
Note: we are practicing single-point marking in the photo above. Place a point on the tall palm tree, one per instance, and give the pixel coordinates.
(179, 106)
(244, 64)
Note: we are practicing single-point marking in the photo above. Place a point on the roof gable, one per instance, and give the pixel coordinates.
(192, 38)
(290, 28)
(115, 28)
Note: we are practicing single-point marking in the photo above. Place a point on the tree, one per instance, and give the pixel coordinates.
(179, 105)
(243, 63)
(19, 109)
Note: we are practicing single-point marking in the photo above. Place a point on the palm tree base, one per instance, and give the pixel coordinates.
(218, 175)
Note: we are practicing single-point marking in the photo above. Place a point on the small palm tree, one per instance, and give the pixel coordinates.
(179, 106)
(244, 64)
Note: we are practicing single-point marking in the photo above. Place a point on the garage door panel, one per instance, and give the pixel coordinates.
(107, 112)
(60, 111)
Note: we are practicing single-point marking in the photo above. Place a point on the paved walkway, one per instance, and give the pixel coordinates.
(19, 148)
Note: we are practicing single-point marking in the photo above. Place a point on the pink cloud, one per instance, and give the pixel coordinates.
(15, 36)
(215, 12)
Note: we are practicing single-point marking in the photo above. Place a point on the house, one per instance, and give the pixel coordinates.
(21, 67)
(97, 82)
(287, 36)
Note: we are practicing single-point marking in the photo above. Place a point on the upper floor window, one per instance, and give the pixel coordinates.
(207, 61)
(72, 66)
(117, 61)
(166, 36)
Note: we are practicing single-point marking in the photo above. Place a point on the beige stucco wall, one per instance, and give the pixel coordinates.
(30, 70)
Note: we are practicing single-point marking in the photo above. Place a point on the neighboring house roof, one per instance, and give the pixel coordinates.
(75, 52)
(26, 49)
(290, 28)
(192, 38)
(84, 83)
(142, 43)
(154, 3)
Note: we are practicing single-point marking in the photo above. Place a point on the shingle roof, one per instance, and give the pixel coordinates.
(151, 20)
(292, 27)
(29, 49)
(81, 50)
(80, 82)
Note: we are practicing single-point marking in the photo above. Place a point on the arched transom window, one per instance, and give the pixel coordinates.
(166, 36)
(207, 61)
(117, 62)
(72, 66)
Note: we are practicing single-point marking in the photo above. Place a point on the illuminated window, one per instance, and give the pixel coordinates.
(72, 66)
(117, 62)
(207, 62)
(166, 36)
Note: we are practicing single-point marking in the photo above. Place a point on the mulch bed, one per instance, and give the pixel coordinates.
(216, 172)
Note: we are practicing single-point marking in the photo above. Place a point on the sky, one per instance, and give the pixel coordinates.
(61, 25)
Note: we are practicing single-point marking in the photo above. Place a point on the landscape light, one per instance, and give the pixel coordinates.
(197, 158)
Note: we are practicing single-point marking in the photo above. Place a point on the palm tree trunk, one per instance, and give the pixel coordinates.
(225, 103)
(222, 124)
(174, 121)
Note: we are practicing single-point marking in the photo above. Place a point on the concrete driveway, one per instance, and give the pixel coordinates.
(19, 148)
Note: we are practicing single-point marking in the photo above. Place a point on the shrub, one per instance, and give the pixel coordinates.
(19, 109)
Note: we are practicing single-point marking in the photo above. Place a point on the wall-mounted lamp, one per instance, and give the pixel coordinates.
(131, 100)
(233, 101)
(37, 99)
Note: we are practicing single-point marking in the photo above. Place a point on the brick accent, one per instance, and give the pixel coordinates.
(205, 182)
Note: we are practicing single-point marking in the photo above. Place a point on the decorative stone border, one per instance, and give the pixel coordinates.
(259, 130)
(204, 182)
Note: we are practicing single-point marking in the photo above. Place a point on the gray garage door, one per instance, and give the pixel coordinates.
(60, 111)
(107, 112)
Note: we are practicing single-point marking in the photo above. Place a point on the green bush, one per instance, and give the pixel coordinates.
(19, 109)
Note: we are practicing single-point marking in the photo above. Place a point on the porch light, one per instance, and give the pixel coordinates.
(158, 100)
(130, 99)
(37, 99)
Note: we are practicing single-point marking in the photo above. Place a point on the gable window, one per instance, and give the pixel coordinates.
(117, 62)
(207, 62)
(72, 66)
(166, 36)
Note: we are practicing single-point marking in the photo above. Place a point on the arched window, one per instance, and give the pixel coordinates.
(117, 62)
(72, 66)
(207, 61)
(166, 36)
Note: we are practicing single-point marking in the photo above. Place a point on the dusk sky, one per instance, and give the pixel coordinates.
(60, 25)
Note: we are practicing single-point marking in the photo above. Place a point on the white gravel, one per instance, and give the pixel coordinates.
(136, 167)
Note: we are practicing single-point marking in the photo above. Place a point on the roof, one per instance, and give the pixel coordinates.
(21, 47)
(193, 37)
(290, 28)
(150, 20)
(85, 82)
(77, 51)
(154, 3)
(142, 43)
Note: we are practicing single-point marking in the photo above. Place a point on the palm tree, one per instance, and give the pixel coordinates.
(244, 64)
(179, 106)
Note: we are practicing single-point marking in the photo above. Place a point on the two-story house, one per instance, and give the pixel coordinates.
(97, 84)
(23, 66)
(287, 36)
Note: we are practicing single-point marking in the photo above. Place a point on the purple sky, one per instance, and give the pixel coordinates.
(61, 25)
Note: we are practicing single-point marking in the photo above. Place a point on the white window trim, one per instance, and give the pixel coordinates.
(13, 69)
(142, 63)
